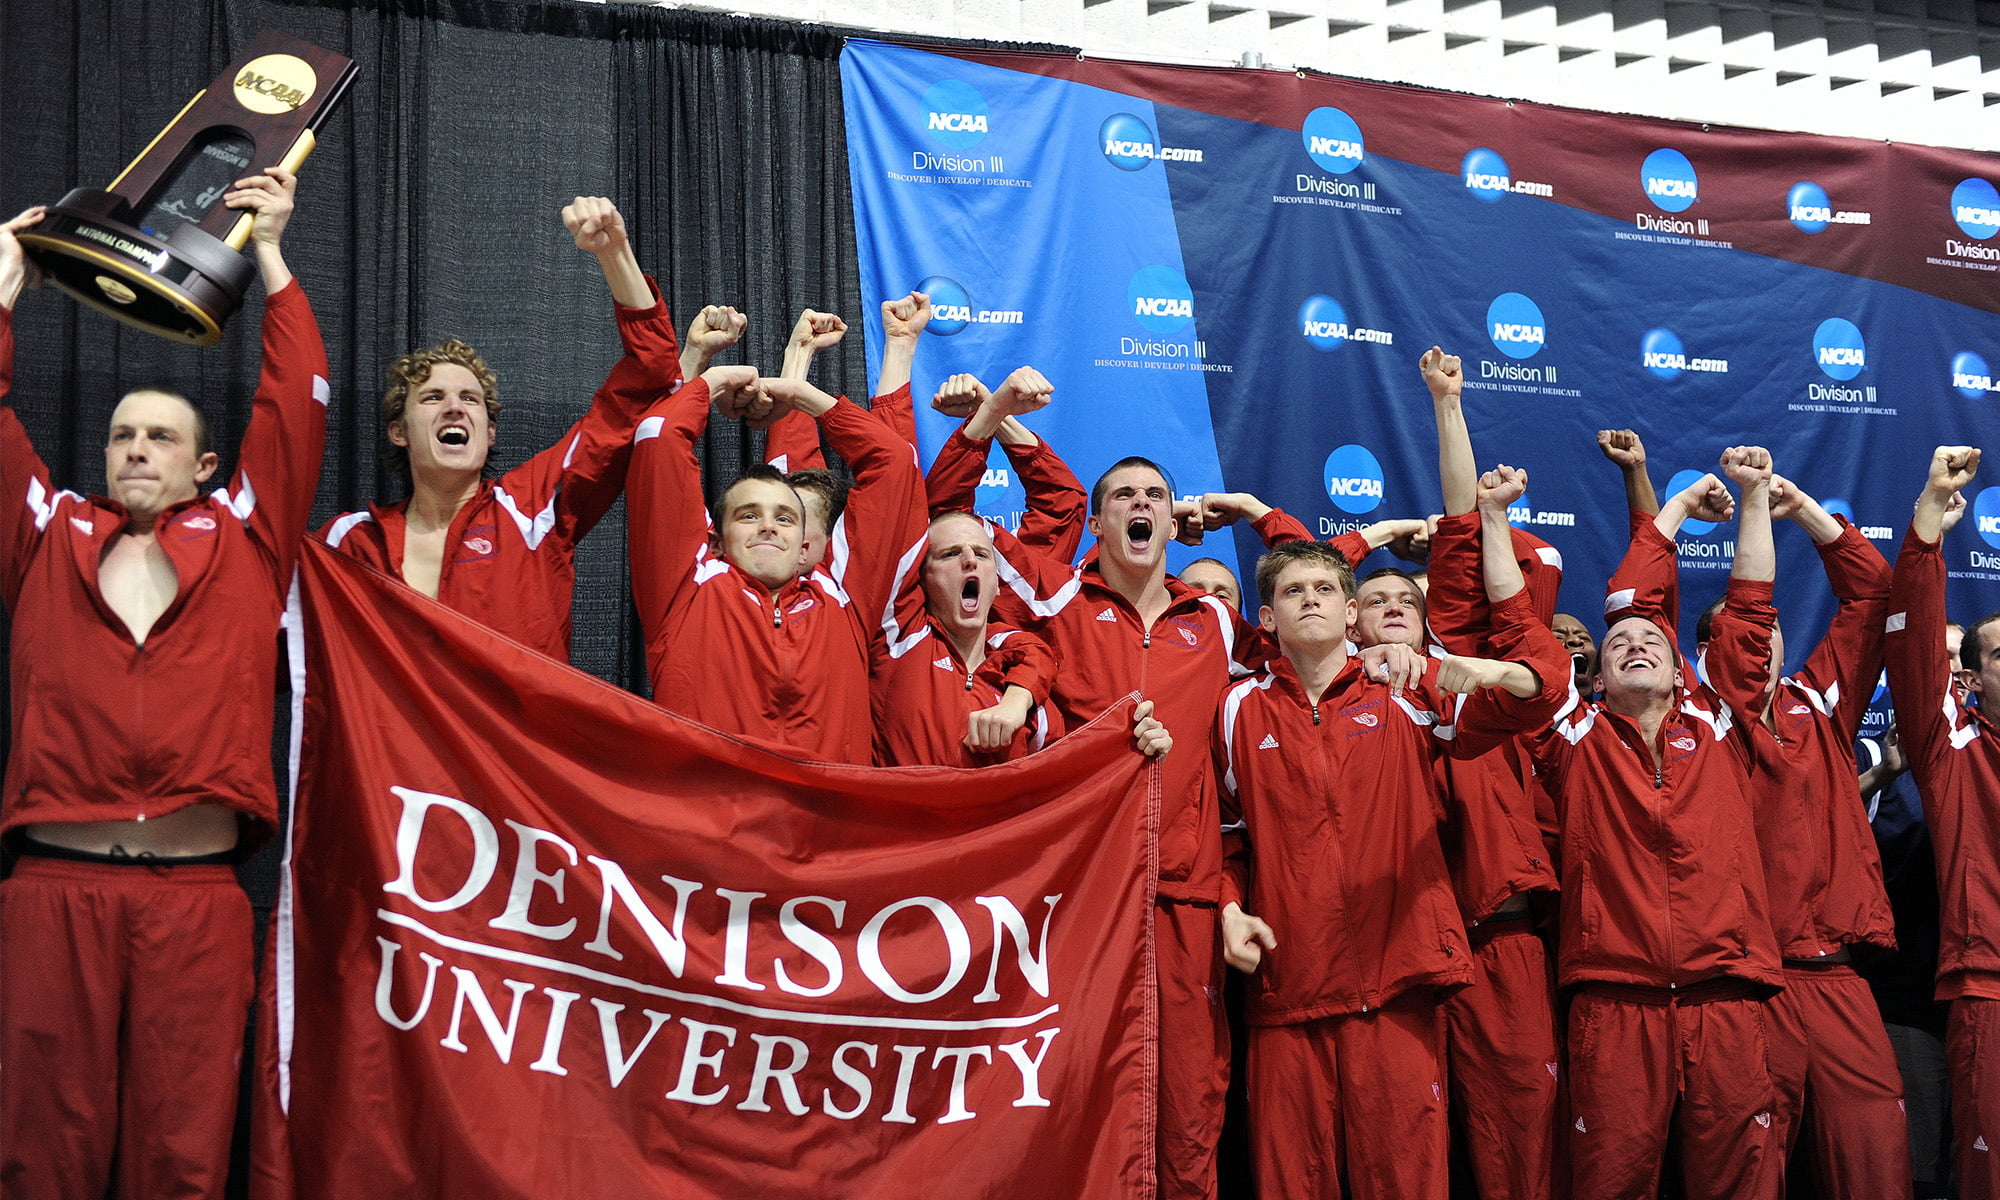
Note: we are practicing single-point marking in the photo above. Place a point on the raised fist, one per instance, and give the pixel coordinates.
(1622, 447)
(1023, 392)
(1442, 372)
(595, 224)
(907, 317)
(960, 396)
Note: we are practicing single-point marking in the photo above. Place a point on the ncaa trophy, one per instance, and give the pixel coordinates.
(158, 249)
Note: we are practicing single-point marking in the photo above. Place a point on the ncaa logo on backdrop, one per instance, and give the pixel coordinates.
(1324, 323)
(951, 305)
(1839, 349)
(1161, 299)
(1002, 496)
(1668, 178)
(1976, 208)
(1971, 376)
(1485, 174)
(1811, 210)
(955, 114)
(1986, 519)
(1523, 513)
(1516, 326)
(1661, 352)
(1809, 207)
(1681, 481)
(1354, 479)
(1333, 140)
(1128, 144)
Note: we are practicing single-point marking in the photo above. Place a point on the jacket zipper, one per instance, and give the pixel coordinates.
(1667, 910)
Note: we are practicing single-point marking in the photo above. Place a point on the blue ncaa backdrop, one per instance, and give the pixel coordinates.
(1234, 272)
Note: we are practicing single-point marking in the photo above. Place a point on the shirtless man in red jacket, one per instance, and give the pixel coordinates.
(503, 551)
(145, 633)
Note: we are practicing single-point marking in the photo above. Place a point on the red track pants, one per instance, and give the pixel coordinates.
(1359, 1095)
(1644, 1062)
(1502, 1044)
(123, 996)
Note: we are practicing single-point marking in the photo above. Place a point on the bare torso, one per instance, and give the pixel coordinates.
(138, 582)
(423, 555)
(196, 829)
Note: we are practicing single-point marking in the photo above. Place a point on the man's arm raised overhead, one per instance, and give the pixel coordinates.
(667, 529)
(1929, 718)
(792, 443)
(277, 466)
(1848, 660)
(26, 493)
(1739, 653)
(584, 471)
(1056, 502)
(1628, 454)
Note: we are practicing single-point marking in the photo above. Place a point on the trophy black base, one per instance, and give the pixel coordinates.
(183, 286)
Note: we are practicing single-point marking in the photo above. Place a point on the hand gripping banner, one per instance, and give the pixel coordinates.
(541, 938)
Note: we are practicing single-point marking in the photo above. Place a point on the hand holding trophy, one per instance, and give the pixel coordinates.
(159, 248)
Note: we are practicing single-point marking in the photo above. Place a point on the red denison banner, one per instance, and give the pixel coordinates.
(539, 938)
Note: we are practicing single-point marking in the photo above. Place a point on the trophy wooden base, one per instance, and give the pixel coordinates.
(183, 286)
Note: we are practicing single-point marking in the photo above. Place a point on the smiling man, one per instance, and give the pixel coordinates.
(145, 632)
(1667, 945)
(737, 637)
(503, 551)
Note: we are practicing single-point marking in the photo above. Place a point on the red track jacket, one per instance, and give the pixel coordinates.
(511, 562)
(1955, 754)
(720, 648)
(1334, 813)
(923, 695)
(1820, 862)
(1662, 885)
(106, 729)
(1182, 663)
